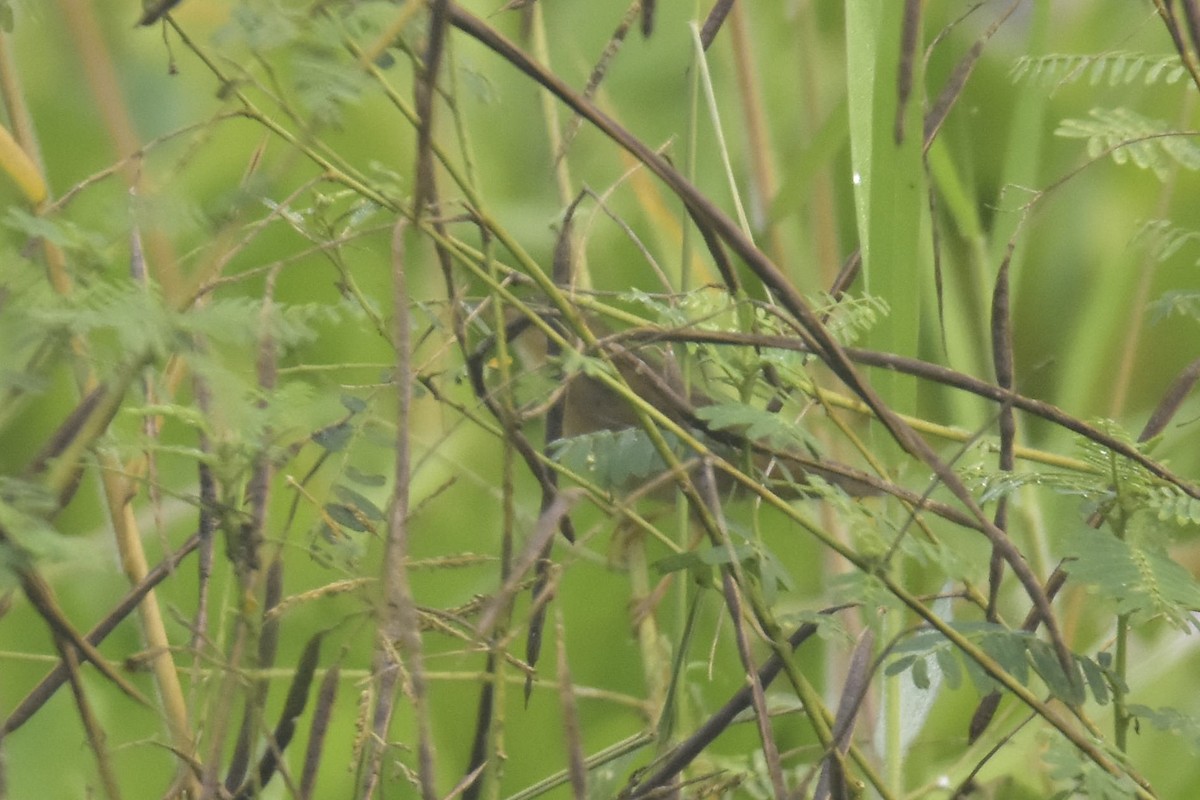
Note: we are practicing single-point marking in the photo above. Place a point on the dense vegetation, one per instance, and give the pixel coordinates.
(582, 399)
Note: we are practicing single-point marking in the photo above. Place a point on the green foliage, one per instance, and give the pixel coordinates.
(1016, 652)
(1176, 303)
(1114, 68)
(1162, 240)
(327, 85)
(1126, 136)
(1137, 575)
(244, 321)
(251, 389)
(755, 424)
(612, 459)
(1131, 565)
(851, 316)
(848, 317)
(25, 508)
(91, 247)
(137, 320)
(24, 294)
(1084, 779)
(1171, 719)
(261, 26)
(1174, 507)
(1111, 470)
(770, 572)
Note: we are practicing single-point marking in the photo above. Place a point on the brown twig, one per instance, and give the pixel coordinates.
(675, 761)
(46, 687)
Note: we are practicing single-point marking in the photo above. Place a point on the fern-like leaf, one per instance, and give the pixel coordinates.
(1173, 506)
(1084, 777)
(1014, 651)
(756, 424)
(1171, 720)
(1162, 240)
(1115, 68)
(1127, 135)
(1140, 578)
(611, 459)
(1176, 303)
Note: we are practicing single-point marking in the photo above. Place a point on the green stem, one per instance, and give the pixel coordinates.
(1121, 716)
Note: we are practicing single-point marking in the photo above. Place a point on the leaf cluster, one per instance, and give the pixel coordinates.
(1017, 652)
(1114, 68)
(1130, 137)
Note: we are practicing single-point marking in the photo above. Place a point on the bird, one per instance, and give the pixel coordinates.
(602, 431)
(154, 10)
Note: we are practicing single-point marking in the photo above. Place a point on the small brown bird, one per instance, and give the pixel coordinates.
(600, 427)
